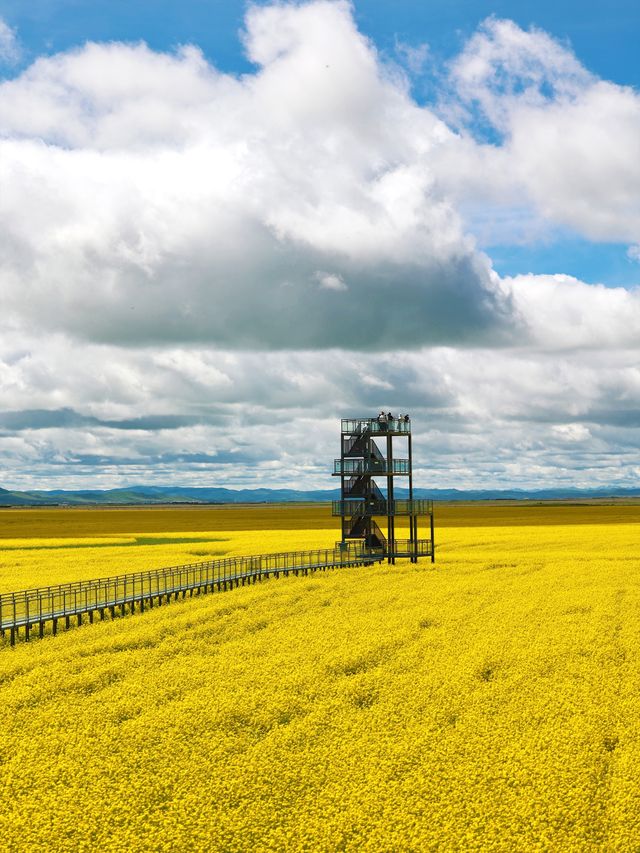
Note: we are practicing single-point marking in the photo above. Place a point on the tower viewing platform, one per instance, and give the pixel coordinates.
(393, 426)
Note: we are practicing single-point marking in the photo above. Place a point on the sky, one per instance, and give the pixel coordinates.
(223, 226)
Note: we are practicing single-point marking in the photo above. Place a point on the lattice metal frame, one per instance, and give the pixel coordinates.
(362, 460)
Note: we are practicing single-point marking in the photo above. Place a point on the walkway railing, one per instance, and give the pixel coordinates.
(409, 548)
(33, 608)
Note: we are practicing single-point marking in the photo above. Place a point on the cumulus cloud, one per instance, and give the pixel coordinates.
(148, 197)
(563, 313)
(568, 141)
(503, 68)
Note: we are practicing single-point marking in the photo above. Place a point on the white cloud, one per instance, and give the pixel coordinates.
(413, 56)
(503, 68)
(569, 141)
(163, 224)
(10, 50)
(78, 413)
(562, 313)
(148, 197)
(330, 281)
(572, 432)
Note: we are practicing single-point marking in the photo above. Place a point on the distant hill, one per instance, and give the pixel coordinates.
(10, 498)
(140, 495)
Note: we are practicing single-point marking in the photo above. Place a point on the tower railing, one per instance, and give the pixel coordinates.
(400, 426)
(400, 547)
(371, 466)
(382, 507)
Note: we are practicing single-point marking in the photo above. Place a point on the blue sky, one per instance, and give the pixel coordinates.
(604, 35)
(207, 256)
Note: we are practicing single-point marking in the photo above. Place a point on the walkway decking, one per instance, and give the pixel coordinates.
(32, 608)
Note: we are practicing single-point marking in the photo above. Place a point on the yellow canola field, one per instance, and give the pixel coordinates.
(50, 546)
(55, 561)
(491, 702)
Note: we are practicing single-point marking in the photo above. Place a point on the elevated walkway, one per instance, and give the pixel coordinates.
(31, 609)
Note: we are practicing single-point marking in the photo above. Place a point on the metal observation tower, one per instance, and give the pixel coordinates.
(367, 454)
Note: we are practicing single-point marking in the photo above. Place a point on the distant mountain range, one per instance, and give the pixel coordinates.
(138, 495)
